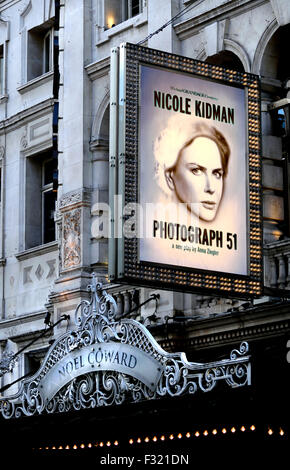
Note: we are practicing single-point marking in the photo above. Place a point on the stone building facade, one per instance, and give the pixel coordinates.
(54, 159)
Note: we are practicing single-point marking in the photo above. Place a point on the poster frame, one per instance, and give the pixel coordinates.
(124, 264)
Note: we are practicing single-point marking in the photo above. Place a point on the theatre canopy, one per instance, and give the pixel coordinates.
(106, 361)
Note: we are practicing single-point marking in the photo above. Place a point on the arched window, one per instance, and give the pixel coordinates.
(275, 75)
(275, 64)
(226, 59)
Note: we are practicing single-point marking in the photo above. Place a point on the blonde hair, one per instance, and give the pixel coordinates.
(178, 134)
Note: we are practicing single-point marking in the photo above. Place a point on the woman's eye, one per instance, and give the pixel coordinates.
(196, 171)
(218, 174)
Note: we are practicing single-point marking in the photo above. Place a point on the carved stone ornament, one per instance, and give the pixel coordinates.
(23, 140)
(80, 196)
(70, 198)
(2, 151)
(106, 362)
(71, 241)
(7, 362)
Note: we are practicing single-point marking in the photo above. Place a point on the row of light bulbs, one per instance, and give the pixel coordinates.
(163, 438)
(188, 435)
(81, 446)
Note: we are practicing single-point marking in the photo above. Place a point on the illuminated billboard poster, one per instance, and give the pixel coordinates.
(192, 156)
(189, 167)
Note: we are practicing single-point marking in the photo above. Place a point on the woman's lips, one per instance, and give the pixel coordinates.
(210, 205)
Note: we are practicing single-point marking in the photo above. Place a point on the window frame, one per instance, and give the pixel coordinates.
(49, 34)
(45, 188)
(36, 219)
(126, 9)
(2, 70)
(38, 50)
(130, 8)
(284, 163)
(33, 359)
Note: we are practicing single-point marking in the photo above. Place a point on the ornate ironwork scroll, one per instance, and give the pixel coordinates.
(105, 361)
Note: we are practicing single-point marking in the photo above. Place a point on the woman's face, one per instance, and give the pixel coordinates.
(197, 178)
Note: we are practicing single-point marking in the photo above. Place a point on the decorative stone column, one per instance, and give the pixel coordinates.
(127, 302)
(273, 272)
(282, 272)
(288, 270)
(120, 304)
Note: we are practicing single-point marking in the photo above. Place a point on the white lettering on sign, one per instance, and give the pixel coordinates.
(101, 356)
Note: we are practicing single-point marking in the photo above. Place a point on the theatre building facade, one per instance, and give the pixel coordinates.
(92, 362)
